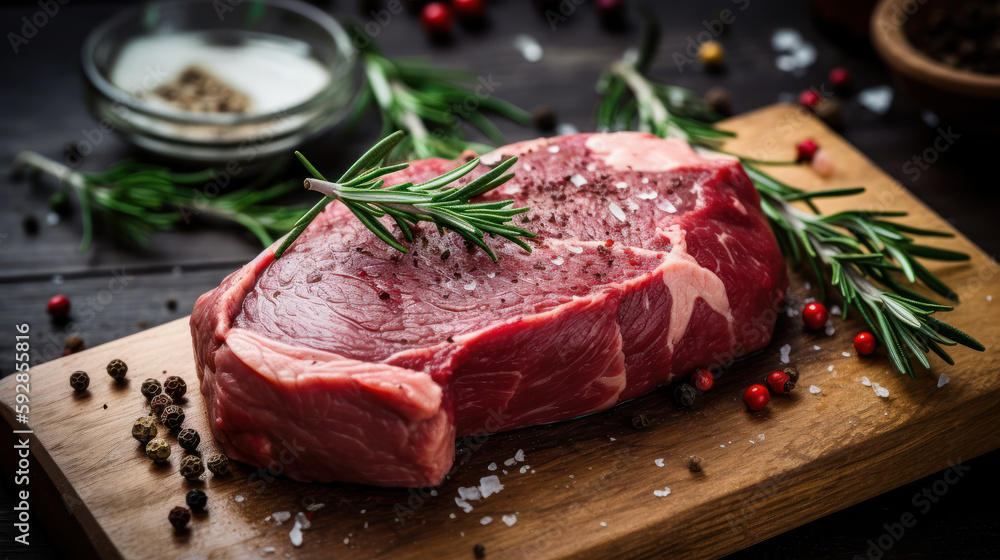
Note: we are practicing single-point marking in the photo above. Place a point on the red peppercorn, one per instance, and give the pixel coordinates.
(436, 19)
(779, 382)
(840, 79)
(864, 343)
(703, 379)
(815, 315)
(806, 150)
(809, 98)
(469, 9)
(58, 306)
(756, 397)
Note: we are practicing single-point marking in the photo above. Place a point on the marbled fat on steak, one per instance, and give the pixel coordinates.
(650, 261)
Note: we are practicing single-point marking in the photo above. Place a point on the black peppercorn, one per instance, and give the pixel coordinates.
(172, 417)
(639, 422)
(719, 100)
(684, 395)
(544, 118)
(793, 374)
(218, 464)
(479, 551)
(30, 224)
(179, 517)
(79, 380)
(151, 388)
(175, 387)
(117, 369)
(196, 500)
(191, 467)
(189, 439)
(143, 429)
(694, 464)
(159, 402)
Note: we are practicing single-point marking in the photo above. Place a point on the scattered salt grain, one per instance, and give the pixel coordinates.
(662, 493)
(466, 506)
(491, 466)
(760, 437)
(452, 516)
(510, 520)
(565, 128)
(469, 493)
(621, 185)
(666, 206)
(835, 310)
(239, 499)
(510, 462)
(632, 206)
(553, 149)
(591, 167)
(470, 286)
(645, 180)
(617, 212)
(280, 517)
(829, 368)
(525, 468)
(723, 445)
(491, 274)
(845, 354)
(558, 261)
(942, 379)
(52, 219)
(880, 390)
(303, 520)
(815, 347)
(808, 286)
(296, 534)
(647, 195)
(785, 39)
(529, 48)
(603, 524)
(574, 249)
(866, 382)
(433, 493)
(785, 351)
(57, 279)
(876, 99)
(989, 298)
(315, 507)
(489, 485)
(658, 462)
(486, 520)
(829, 330)
(578, 180)
(269, 550)
(814, 389)
(519, 456)
(612, 439)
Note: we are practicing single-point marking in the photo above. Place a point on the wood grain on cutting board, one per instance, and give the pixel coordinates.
(587, 486)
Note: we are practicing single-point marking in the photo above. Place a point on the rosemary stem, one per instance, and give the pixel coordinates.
(640, 88)
(38, 162)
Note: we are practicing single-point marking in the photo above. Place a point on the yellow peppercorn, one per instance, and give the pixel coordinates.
(144, 429)
(191, 467)
(158, 450)
(711, 54)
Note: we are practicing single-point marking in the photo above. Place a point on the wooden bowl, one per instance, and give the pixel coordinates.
(965, 99)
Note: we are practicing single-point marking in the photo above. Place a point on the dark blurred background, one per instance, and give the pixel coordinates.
(42, 108)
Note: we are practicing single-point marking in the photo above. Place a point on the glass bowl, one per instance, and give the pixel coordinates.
(279, 51)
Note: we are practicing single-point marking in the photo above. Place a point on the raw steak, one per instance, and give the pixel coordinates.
(346, 360)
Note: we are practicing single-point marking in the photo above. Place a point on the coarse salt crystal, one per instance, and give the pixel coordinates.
(296, 534)
(466, 506)
(785, 352)
(876, 99)
(835, 310)
(866, 382)
(662, 493)
(645, 180)
(880, 390)
(239, 498)
(553, 149)
(529, 48)
(314, 507)
(815, 347)
(280, 517)
(491, 274)
(942, 379)
(510, 520)
(647, 196)
(632, 205)
(302, 520)
(451, 515)
(603, 524)
(558, 261)
(492, 466)
(845, 354)
(617, 212)
(525, 468)
(510, 462)
(469, 493)
(489, 485)
(830, 330)
(829, 368)
(612, 439)
(621, 185)
(808, 286)
(658, 462)
(519, 456)
(814, 389)
(760, 437)
(486, 520)
(574, 249)
(989, 298)
(578, 180)
(269, 550)
(666, 206)
(470, 286)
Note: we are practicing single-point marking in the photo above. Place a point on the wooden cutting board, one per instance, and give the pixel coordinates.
(585, 488)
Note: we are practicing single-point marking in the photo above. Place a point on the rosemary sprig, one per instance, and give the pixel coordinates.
(364, 193)
(432, 105)
(862, 252)
(135, 199)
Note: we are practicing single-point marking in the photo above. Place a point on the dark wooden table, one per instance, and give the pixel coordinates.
(42, 108)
